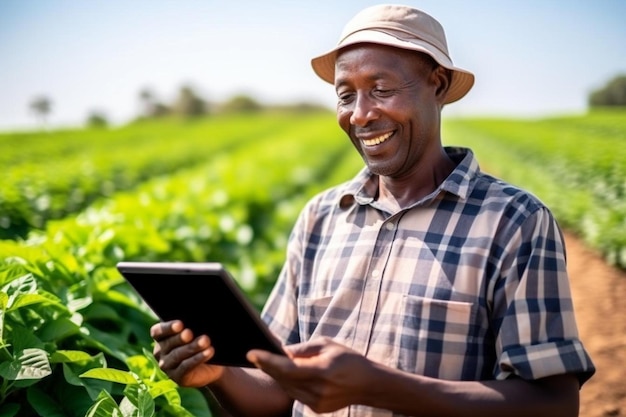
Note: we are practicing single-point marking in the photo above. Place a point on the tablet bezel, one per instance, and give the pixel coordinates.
(232, 322)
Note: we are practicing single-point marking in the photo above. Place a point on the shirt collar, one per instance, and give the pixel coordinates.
(363, 188)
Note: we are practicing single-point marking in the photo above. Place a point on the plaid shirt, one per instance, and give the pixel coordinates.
(469, 283)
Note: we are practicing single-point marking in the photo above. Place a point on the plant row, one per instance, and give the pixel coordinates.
(576, 165)
(52, 175)
(74, 336)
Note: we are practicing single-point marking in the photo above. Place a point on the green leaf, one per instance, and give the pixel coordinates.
(105, 406)
(113, 375)
(65, 356)
(138, 399)
(26, 300)
(72, 372)
(24, 338)
(26, 284)
(31, 364)
(168, 389)
(129, 409)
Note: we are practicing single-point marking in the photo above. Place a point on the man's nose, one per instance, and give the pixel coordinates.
(364, 111)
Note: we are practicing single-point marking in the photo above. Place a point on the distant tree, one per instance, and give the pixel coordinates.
(147, 100)
(160, 110)
(97, 119)
(189, 104)
(151, 107)
(612, 94)
(241, 104)
(41, 106)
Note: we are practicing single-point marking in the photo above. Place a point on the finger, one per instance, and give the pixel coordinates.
(305, 350)
(185, 355)
(269, 362)
(184, 372)
(166, 344)
(166, 329)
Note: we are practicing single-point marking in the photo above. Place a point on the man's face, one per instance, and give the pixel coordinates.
(389, 104)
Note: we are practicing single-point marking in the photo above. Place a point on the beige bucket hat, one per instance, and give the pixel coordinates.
(402, 27)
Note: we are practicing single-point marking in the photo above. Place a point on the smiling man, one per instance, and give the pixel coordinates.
(422, 286)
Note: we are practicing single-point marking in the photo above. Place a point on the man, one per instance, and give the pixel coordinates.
(421, 287)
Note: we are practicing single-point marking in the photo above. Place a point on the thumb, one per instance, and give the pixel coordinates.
(258, 357)
(306, 350)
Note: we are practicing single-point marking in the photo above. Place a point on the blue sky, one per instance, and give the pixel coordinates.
(531, 57)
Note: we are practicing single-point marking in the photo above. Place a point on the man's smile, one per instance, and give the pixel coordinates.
(377, 140)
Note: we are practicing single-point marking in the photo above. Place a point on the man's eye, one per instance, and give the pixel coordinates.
(383, 92)
(345, 98)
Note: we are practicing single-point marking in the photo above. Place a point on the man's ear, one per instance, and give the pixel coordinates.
(442, 77)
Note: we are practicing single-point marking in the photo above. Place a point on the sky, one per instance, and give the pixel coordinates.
(531, 58)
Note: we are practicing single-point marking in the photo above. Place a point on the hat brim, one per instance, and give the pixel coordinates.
(462, 80)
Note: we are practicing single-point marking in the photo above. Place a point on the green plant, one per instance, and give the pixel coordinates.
(83, 348)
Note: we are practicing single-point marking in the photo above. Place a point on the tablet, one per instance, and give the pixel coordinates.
(208, 300)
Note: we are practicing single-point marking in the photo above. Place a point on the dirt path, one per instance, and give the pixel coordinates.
(599, 293)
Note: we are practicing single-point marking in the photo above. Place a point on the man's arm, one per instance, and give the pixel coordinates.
(248, 392)
(555, 396)
(327, 376)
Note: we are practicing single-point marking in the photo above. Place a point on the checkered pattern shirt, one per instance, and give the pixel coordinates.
(469, 283)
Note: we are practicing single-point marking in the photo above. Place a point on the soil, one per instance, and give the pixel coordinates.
(599, 292)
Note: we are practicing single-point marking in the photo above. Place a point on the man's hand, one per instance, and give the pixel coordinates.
(182, 357)
(324, 375)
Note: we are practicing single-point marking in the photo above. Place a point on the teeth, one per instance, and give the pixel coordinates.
(378, 140)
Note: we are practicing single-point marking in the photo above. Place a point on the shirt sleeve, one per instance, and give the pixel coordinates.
(537, 335)
(281, 308)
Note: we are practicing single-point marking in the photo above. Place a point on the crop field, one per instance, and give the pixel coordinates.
(73, 336)
(576, 165)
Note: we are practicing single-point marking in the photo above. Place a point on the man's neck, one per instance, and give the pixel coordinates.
(404, 192)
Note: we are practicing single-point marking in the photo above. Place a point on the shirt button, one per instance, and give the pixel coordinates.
(390, 226)
(375, 273)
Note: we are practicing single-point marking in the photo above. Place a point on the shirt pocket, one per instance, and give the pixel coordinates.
(437, 337)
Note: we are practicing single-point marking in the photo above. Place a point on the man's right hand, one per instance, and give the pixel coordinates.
(183, 358)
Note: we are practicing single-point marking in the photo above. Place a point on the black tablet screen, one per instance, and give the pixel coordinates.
(208, 301)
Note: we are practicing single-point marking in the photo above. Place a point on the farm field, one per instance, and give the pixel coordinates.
(576, 165)
(76, 202)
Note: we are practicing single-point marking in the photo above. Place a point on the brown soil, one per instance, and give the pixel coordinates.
(599, 292)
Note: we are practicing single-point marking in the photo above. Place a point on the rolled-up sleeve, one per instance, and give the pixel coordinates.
(538, 335)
